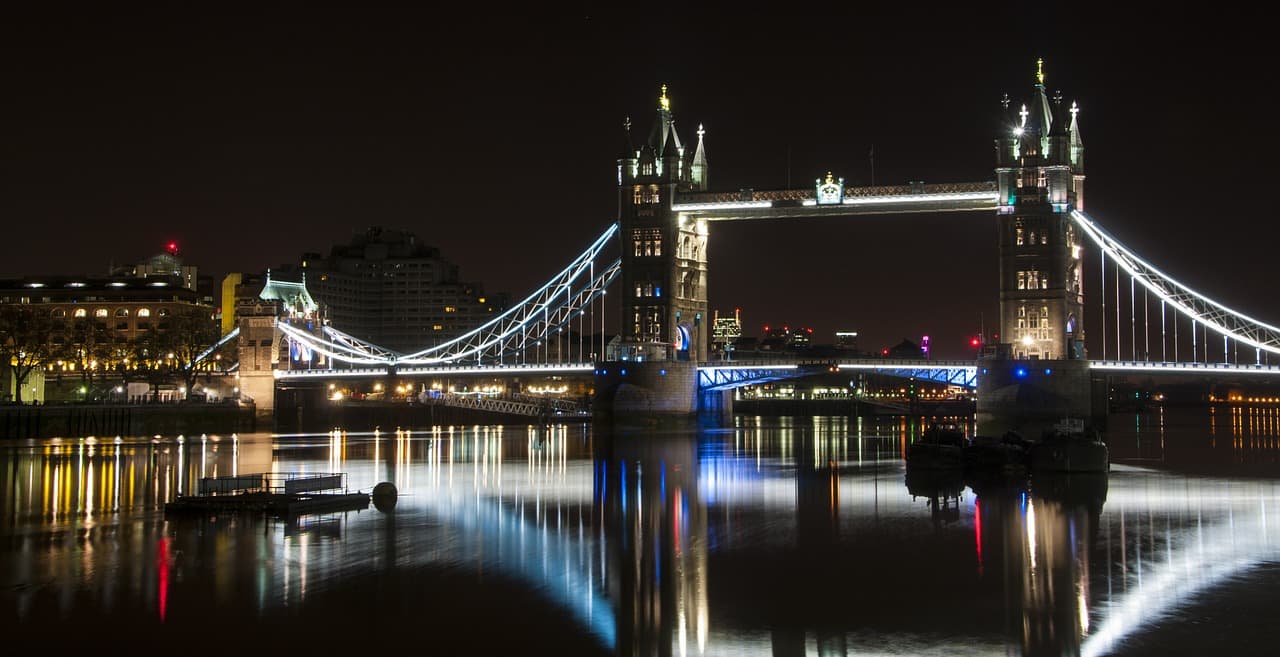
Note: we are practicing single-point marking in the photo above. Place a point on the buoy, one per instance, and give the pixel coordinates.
(384, 496)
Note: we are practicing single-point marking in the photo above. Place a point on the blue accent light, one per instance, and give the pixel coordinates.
(663, 371)
(1047, 371)
(624, 372)
(984, 370)
(1020, 372)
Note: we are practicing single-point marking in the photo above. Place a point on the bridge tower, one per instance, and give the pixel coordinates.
(1037, 372)
(664, 253)
(1040, 177)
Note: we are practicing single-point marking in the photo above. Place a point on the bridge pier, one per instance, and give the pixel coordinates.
(645, 393)
(1029, 396)
(715, 408)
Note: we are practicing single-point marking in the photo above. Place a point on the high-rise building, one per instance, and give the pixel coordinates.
(388, 288)
(1040, 174)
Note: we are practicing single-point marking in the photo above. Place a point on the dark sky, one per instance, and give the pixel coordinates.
(252, 137)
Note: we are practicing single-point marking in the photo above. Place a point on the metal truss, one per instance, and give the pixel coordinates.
(956, 373)
(335, 351)
(543, 313)
(1199, 308)
(956, 376)
(727, 378)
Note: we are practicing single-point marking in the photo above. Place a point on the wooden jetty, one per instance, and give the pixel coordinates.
(276, 493)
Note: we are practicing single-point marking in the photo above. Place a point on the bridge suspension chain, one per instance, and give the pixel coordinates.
(548, 309)
(1193, 305)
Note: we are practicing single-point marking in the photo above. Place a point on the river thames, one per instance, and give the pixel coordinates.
(778, 536)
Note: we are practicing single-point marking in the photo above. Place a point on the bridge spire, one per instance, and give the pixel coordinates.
(698, 169)
(663, 128)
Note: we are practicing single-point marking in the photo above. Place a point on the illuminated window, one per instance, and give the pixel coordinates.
(638, 196)
(80, 312)
(1018, 235)
(1022, 280)
(1033, 237)
(450, 309)
(59, 312)
(163, 312)
(648, 242)
(100, 312)
(144, 312)
(122, 312)
(437, 327)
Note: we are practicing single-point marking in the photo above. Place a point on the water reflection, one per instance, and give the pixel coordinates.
(792, 537)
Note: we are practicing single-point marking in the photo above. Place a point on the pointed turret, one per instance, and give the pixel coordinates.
(1041, 119)
(1077, 143)
(1007, 128)
(660, 133)
(627, 158)
(698, 173)
(1057, 151)
(671, 155)
(628, 149)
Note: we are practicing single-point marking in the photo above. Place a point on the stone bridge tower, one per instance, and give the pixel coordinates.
(1040, 176)
(664, 253)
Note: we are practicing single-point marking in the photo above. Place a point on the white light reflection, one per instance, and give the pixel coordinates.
(1216, 531)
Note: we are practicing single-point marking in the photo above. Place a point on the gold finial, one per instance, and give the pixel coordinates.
(1040, 71)
(663, 101)
(830, 180)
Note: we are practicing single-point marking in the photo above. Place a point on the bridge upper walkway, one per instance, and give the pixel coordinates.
(882, 199)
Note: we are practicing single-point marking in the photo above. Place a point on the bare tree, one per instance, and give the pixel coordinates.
(89, 344)
(26, 342)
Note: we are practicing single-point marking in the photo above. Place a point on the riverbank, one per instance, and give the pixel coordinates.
(82, 420)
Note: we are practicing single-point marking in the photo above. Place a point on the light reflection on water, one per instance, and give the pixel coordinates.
(779, 536)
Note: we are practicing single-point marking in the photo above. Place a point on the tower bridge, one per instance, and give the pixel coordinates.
(654, 256)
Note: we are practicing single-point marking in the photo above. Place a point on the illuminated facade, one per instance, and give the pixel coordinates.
(664, 252)
(388, 288)
(1040, 179)
(127, 306)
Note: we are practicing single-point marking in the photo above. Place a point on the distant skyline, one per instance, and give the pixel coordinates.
(251, 139)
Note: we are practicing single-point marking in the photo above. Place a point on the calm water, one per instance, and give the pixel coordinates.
(777, 537)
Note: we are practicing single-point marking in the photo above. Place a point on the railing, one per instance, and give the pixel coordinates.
(287, 483)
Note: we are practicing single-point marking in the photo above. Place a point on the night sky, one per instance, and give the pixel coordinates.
(252, 137)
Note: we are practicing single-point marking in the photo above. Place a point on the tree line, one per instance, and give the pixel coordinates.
(31, 339)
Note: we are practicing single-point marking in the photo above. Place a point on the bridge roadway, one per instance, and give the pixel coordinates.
(727, 375)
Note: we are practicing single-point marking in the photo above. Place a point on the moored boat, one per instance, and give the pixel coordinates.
(1069, 446)
(940, 446)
